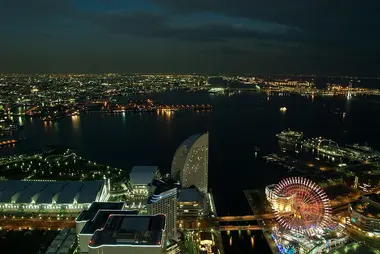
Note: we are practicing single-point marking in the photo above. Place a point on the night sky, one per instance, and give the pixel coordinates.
(322, 37)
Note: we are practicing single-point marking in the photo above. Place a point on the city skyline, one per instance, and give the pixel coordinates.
(194, 127)
(259, 184)
(186, 37)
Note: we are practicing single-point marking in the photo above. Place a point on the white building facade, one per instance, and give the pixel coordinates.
(190, 162)
(165, 203)
(38, 196)
(365, 214)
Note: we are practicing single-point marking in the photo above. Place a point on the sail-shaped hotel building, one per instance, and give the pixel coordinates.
(190, 162)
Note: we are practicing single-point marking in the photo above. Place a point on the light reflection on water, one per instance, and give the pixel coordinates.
(245, 242)
(75, 122)
(20, 120)
(124, 118)
(165, 114)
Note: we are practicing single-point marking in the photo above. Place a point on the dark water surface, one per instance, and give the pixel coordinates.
(236, 124)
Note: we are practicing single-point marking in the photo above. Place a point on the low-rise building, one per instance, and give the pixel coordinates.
(278, 202)
(38, 196)
(365, 213)
(130, 234)
(64, 243)
(191, 203)
(94, 218)
(141, 177)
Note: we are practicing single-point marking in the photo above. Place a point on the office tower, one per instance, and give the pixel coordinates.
(190, 162)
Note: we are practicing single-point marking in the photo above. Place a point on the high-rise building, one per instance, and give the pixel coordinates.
(190, 162)
(164, 201)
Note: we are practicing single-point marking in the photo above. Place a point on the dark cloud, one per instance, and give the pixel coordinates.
(292, 12)
(341, 23)
(21, 11)
(159, 25)
(227, 51)
(272, 36)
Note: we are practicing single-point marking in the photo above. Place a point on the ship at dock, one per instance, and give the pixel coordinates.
(290, 136)
(362, 148)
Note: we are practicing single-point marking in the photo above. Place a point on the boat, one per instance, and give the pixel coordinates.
(9, 126)
(216, 90)
(50, 118)
(361, 148)
(290, 136)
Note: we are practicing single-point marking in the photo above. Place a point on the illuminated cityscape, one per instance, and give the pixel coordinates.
(189, 127)
(327, 205)
(325, 199)
(322, 196)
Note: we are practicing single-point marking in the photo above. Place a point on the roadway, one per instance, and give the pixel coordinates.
(246, 217)
(16, 224)
(236, 228)
(194, 224)
(361, 236)
(49, 221)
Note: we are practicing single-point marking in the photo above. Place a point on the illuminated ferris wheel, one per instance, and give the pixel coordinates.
(301, 205)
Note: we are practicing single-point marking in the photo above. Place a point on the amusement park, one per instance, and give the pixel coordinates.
(304, 217)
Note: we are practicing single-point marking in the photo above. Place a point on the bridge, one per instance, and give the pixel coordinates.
(236, 228)
(246, 217)
(27, 112)
(183, 107)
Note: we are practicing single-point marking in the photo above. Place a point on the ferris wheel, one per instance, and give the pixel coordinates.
(301, 205)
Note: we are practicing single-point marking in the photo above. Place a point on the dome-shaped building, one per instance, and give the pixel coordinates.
(190, 162)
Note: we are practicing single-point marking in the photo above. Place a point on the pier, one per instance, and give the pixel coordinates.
(150, 108)
(330, 148)
(184, 107)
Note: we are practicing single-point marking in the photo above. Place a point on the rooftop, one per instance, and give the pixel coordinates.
(90, 213)
(374, 197)
(163, 187)
(43, 192)
(189, 142)
(143, 174)
(132, 230)
(205, 235)
(189, 195)
(100, 219)
(366, 209)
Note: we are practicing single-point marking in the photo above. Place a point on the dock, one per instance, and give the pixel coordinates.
(217, 233)
(261, 222)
